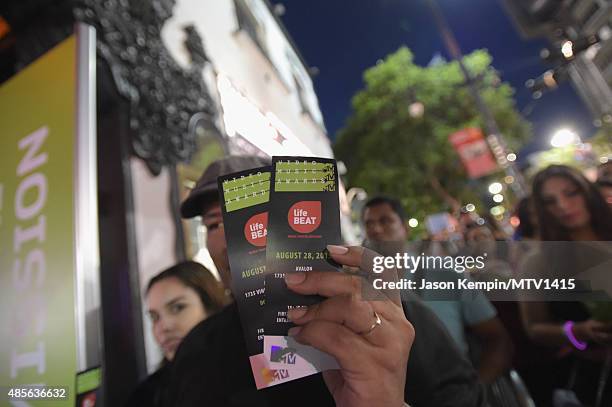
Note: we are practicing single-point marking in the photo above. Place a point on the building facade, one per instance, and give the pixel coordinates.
(267, 106)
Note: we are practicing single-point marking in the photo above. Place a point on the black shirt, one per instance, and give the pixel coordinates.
(211, 368)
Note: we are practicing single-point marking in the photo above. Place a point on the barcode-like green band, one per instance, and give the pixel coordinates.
(246, 191)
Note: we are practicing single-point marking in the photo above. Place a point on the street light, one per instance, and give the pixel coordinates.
(549, 80)
(563, 138)
(495, 188)
(498, 198)
(413, 223)
(567, 49)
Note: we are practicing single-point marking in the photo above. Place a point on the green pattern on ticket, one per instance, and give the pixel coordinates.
(88, 381)
(302, 176)
(246, 191)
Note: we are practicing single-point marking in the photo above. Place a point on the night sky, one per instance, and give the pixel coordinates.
(344, 37)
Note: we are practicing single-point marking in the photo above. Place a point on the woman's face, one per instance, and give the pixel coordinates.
(174, 309)
(564, 200)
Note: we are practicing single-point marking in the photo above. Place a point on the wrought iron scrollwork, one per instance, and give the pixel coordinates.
(163, 96)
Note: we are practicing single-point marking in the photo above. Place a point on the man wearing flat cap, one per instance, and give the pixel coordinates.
(204, 201)
(382, 362)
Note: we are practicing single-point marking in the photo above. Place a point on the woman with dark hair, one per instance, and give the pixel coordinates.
(569, 209)
(177, 299)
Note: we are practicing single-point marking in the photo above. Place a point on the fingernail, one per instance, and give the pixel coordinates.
(295, 278)
(333, 249)
(296, 313)
(294, 331)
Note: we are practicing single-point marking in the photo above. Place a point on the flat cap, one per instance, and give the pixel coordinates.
(206, 189)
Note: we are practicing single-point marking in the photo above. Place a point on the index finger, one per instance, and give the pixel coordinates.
(347, 256)
(325, 283)
(330, 284)
(357, 256)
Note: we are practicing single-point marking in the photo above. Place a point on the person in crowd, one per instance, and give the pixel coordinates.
(529, 361)
(211, 366)
(526, 229)
(385, 223)
(494, 226)
(569, 207)
(467, 218)
(177, 299)
(481, 239)
(605, 187)
(525, 235)
(445, 233)
(384, 219)
(571, 215)
(604, 171)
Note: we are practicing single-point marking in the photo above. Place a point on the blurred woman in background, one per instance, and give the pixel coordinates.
(177, 299)
(570, 209)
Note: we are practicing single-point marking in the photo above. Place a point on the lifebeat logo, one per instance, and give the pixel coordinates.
(305, 216)
(256, 229)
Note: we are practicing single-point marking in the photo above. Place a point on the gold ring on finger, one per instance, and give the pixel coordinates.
(376, 324)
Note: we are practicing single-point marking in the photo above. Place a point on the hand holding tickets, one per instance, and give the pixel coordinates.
(264, 237)
(311, 314)
(371, 340)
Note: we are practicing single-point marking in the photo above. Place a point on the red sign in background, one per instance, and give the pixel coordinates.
(474, 152)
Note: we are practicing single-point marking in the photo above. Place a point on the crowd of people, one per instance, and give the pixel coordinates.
(462, 350)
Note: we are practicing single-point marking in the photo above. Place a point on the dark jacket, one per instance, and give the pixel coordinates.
(149, 393)
(211, 368)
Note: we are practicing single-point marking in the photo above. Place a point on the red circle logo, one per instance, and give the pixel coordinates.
(256, 229)
(305, 216)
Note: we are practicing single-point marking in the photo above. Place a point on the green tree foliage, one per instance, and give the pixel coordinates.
(602, 142)
(388, 150)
